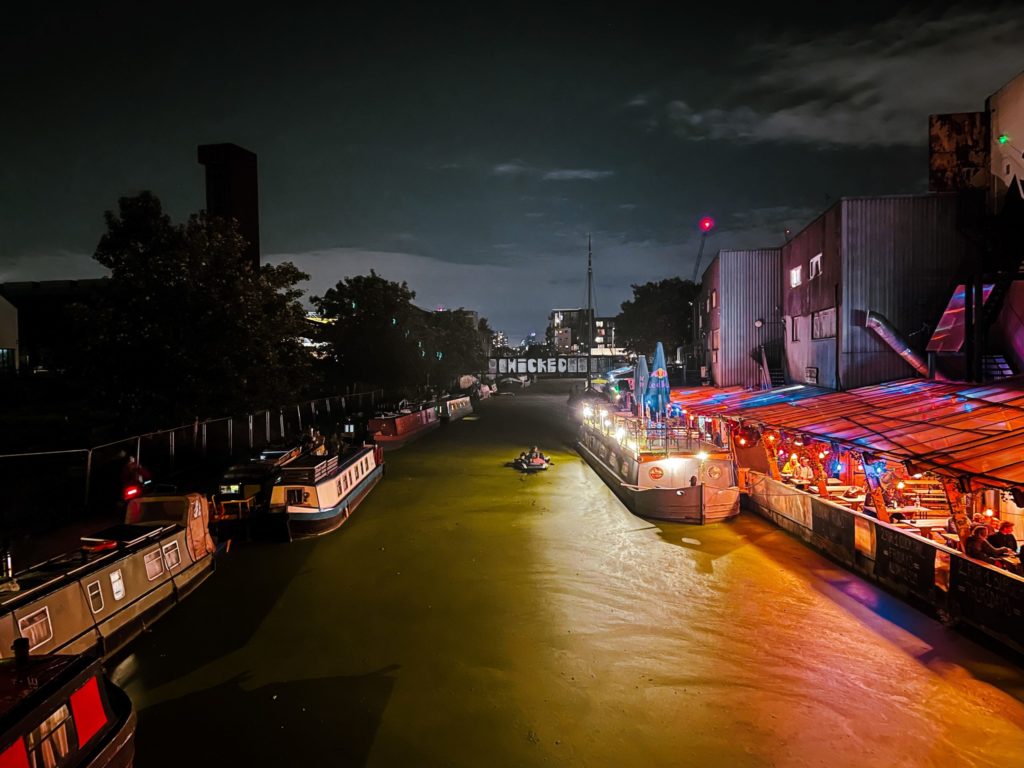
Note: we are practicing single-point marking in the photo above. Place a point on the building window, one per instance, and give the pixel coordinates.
(795, 276)
(714, 356)
(154, 564)
(95, 596)
(794, 329)
(715, 338)
(823, 324)
(172, 555)
(6, 361)
(707, 304)
(814, 269)
(117, 584)
(714, 298)
(700, 321)
(36, 628)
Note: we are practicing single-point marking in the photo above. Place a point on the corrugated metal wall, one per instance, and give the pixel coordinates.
(900, 256)
(750, 288)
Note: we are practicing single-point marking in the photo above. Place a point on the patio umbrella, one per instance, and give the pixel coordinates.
(640, 383)
(658, 388)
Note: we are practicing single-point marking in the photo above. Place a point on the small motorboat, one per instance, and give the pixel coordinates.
(535, 464)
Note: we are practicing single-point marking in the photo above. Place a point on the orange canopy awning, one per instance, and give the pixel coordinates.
(960, 430)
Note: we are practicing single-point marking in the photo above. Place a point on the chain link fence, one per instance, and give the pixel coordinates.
(44, 489)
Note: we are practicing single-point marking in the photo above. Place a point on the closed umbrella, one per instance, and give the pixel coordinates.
(658, 387)
(640, 383)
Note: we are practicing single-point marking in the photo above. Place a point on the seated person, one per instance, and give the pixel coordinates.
(1004, 537)
(869, 508)
(804, 472)
(789, 467)
(897, 517)
(534, 455)
(978, 547)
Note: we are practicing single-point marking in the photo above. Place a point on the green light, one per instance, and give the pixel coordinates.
(1003, 139)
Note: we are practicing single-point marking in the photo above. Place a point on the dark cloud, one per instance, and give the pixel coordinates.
(469, 149)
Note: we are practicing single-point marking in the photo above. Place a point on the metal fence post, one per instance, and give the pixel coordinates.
(88, 478)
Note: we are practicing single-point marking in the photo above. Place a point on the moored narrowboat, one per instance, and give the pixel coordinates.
(99, 597)
(393, 429)
(59, 711)
(316, 494)
(453, 408)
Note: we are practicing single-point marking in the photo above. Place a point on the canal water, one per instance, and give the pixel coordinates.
(467, 615)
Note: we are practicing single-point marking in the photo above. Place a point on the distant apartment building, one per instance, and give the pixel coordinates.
(561, 338)
(604, 333)
(739, 318)
(576, 322)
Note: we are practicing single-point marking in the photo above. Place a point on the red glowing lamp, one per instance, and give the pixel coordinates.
(706, 224)
(131, 491)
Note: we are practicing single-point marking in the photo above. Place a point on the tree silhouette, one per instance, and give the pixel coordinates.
(190, 328)
(659, 311)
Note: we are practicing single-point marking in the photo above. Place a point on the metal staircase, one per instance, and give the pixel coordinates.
(995, 367)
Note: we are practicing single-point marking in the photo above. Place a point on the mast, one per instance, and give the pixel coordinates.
(590, 313)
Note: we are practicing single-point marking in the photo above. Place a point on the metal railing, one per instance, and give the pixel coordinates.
(43, 488)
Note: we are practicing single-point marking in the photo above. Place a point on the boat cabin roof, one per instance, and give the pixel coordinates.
(28, 690)
(52, 573)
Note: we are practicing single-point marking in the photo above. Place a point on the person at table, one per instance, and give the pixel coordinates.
(804, 473)
(978, 546)
(869, 507)
(1004, 537)
(790, 466)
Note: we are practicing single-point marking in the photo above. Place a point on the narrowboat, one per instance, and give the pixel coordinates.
(453, 408)
(660, 471)
(97, 598)
(62, 711)
(244, 490)
(393, 429)
(316, 494)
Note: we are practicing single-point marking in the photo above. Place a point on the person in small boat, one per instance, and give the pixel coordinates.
(533, 455)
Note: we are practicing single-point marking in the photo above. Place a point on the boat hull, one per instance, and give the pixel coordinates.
(697, 505)
(304, 525)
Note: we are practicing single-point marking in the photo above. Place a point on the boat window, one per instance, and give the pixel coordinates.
(172, 555)
(50, 743)
(37, 628)
(117, 584)
(345, 478)
(154, 564)
(95, 596)
(297, 496)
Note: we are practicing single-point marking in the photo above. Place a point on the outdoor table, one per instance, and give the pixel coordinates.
(926, 526)
(850, 499)
(911, 511)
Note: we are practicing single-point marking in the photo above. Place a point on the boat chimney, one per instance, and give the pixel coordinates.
(6, 560)
(20, 648)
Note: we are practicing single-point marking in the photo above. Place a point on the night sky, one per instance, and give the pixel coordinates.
(469, 148)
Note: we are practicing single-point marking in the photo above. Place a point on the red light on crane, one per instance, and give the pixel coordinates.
(706, 224)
